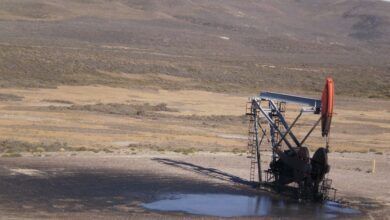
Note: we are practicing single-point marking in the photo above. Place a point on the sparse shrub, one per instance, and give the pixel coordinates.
(185, 151)
(342, 151)
(10, 97)
(58, 101)
(16, 146)
(95, 150)
(80, 149)
(140, 112)
(362, 151)
(106, 150)
(372, 150)
(160, 149)
(161, 107)
(237, 151)
(39, 149)
(13, 154)
(122, 109)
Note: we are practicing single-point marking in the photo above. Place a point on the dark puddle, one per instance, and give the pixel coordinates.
(229, 205)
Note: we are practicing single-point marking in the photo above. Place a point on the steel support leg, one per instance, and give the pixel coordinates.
(258, 145)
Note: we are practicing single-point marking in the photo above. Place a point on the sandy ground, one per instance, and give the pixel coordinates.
(115, 185)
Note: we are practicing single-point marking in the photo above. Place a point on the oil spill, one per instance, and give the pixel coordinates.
(230, 205)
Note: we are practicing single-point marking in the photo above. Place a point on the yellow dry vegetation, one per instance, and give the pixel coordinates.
(354, 129)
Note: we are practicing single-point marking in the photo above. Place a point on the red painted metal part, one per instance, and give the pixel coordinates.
(327, 102)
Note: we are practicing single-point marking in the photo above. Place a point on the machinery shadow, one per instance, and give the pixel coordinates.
(64, 189)
(210, 172)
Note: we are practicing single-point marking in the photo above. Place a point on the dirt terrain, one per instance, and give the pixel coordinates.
(115, 186)
(106, 105)
(75, 151)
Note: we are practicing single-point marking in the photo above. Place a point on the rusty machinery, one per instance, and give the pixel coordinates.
(291, 165)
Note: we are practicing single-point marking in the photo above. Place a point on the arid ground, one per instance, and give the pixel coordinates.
(105, 105)
(115, 185)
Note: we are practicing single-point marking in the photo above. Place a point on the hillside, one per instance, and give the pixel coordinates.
(222, 45)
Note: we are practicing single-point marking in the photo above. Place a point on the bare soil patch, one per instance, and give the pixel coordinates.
(115, 186)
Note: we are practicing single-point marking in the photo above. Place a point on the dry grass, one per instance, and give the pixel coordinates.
(10, 97)
(120, 109)
(11, 147)
(59, 101)
(107, 117)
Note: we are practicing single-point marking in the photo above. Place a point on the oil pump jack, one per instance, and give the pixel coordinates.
(291, 166)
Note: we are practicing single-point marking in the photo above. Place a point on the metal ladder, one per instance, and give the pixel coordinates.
(251, 142)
